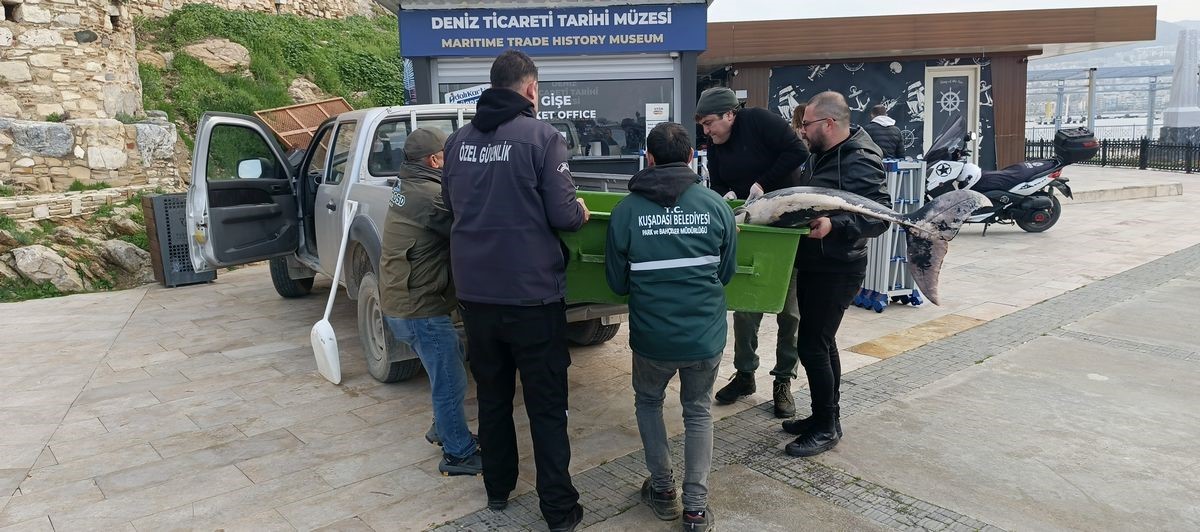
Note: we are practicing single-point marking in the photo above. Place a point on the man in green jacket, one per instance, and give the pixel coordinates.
(417, 294)
(672, 248)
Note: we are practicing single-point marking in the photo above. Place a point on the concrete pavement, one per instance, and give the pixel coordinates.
(199, 407)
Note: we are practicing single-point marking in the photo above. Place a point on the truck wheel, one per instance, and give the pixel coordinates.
(591, 332)
(285, 286)
(388, 359)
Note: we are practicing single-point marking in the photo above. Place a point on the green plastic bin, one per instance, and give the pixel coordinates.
(764, 261)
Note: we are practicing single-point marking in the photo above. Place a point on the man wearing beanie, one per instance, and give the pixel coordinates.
(754, 151)
(417, 294)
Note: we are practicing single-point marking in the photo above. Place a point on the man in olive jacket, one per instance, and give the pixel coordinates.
(672, 248)
(831, 262)
(417, 294)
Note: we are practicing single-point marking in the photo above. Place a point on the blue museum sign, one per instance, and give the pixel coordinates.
(554, 31)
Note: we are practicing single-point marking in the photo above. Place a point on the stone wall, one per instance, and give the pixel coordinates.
(40, 157)
(335, 9)
(66, 204)
(68, 56)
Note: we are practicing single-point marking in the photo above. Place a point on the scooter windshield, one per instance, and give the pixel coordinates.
(950, 139)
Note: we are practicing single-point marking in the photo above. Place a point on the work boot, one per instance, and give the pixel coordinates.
(451, 466)
(821, 436)
(497, 502)
(799, 426)
(785, 404)
(432, 436)
(571, 522)
(701, 521)
(664, 504)
(740, 385)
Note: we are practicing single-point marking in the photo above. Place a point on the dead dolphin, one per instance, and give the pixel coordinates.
(928, 230)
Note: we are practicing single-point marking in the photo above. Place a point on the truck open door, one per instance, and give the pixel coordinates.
(242, 205)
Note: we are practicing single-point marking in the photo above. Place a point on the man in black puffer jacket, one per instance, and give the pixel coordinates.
(832, 262)
(882, 129)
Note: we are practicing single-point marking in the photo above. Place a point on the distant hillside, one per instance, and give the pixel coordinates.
(1160, 51)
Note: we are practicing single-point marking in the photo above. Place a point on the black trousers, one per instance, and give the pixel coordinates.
(501, 340)
(823, 299)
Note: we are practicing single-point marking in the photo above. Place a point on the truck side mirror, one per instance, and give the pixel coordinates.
(250, 169)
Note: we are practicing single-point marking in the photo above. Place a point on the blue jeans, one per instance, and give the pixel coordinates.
(437, 344)
(696, 378)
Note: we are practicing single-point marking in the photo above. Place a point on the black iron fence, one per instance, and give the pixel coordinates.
(1128, 153)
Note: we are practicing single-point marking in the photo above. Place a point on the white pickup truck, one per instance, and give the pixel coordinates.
(249, 202)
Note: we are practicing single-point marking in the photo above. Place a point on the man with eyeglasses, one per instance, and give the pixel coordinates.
(832, 261)
(754, 151)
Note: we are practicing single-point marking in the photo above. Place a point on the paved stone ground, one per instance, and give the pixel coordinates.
(199, 407)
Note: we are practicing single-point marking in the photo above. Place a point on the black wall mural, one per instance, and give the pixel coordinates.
(900, 85)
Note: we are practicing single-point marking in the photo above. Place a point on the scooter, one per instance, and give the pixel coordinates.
(1022, 193)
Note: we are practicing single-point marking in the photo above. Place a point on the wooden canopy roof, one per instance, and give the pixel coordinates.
(1044, 31)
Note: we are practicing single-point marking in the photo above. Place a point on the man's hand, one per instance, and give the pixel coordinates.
(587, 215)
(756, 191)
(730, 195)
(820, 227)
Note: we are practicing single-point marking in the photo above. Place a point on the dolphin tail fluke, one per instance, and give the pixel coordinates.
(942, 216)
(930, 230)
(925, 256)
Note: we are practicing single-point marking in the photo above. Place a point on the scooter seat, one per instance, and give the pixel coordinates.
(1014, 175)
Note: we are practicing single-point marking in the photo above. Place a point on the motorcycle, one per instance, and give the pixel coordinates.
(1023, 193)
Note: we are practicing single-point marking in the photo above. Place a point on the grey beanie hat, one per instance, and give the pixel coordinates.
(423, 142)
(715, 101)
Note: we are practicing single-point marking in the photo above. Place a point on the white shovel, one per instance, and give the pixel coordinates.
(324, 339)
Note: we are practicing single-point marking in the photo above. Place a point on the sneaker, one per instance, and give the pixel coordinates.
(820, 437)
(785, 404)
(451, 466)
(664, 504)
(571, 522)
(740, 385)
(699, 521)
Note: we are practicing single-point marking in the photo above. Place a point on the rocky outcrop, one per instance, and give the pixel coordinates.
(129, 258)
(221, 55)
(41, 264)
(303, 91)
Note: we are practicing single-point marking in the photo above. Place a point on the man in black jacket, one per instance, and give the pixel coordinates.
(754, 151)
(832, 262)
(508, 186)
(882, 129)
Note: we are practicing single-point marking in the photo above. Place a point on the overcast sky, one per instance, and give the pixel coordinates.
(733, 10)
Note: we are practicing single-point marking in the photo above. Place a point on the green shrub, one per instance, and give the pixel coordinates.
(54, 117)
(78, 186)
(7, 191)
(105, 211)
(126, 118)
(138, 239)
(8, 224)
(21, 289)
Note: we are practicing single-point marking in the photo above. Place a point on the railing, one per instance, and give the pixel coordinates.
(1101, 132)
(1128, 153)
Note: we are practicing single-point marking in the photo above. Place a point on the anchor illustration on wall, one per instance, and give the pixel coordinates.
(859, 104)
(985, 93)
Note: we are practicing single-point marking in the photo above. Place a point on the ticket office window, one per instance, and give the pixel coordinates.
(595, 118)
